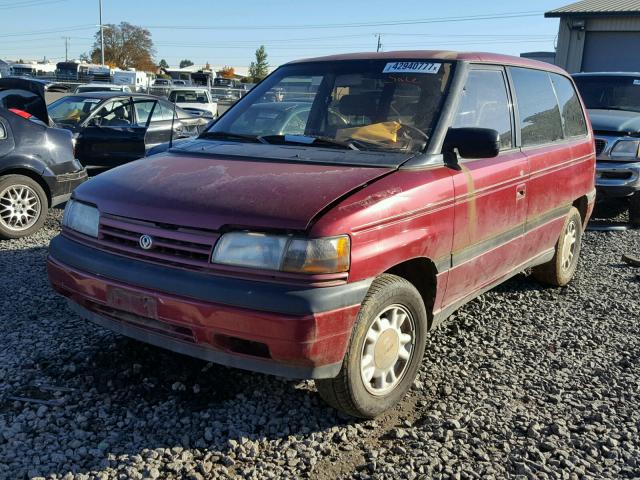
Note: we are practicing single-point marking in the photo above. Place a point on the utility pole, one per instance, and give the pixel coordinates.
(66, 48)
(101, 35)
(379, 47)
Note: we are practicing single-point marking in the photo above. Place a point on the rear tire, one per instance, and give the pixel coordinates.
(559, 271)
(634, 209)
(23, 206)
(384, 353)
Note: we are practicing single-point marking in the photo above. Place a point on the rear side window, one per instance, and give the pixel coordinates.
(485, 104)
(161, 113)
(572, 115)
(540, 120)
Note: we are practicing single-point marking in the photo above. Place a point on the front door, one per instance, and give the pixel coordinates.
(490, 193)
(159, 130)
(111, 136)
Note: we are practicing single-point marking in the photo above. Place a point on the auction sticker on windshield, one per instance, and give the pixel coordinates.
(411, 67)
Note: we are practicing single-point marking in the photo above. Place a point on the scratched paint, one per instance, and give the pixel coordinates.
(472, 214)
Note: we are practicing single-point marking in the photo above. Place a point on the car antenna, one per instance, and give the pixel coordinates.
(173, 118)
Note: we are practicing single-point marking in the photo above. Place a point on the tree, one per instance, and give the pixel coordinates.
(260, 68)
(185, 63)
(125, 46)
(163, 64)
(227, 72)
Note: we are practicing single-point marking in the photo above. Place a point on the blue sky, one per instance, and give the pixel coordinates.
(229, 32)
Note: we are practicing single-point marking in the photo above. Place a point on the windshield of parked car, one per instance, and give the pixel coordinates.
(363, 104)
(188, 96)
(610, 92)
(72, 110)
(98, 89)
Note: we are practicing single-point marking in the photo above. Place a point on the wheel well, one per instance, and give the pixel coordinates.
(32, 175)
(421, 272)
(582, 205)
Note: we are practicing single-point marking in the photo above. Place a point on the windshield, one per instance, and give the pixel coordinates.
(188, 96)
(98, 89)
(72, 110)
(612, 92)
(367, 105)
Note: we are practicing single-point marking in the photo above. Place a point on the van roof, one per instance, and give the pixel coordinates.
(482, 57)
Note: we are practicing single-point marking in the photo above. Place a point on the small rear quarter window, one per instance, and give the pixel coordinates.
(540, 120)
(570, 107)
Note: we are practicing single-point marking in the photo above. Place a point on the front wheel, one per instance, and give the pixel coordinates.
(559, 271)
(384, 353)
(23, 206)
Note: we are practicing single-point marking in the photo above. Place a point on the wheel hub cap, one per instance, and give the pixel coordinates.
(387, 350)
(19, 207)
(569, 246)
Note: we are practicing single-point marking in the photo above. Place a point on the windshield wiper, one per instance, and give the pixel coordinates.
(314, 140)
(233, 136)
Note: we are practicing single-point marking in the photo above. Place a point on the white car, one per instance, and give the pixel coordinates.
(194, 100)
(102, 87)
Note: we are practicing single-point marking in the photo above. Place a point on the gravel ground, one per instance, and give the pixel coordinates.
(527, 382)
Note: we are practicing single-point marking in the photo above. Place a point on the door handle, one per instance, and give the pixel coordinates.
(521, 191)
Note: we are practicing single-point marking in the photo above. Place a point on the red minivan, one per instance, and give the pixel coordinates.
(334, 215)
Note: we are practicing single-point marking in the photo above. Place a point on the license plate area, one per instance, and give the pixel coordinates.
(132, 302)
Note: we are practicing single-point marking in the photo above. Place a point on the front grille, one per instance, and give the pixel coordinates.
(600, 145)
(171, 244)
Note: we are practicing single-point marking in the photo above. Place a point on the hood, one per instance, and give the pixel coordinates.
(205, 192)
(622, 121)
(26, 95)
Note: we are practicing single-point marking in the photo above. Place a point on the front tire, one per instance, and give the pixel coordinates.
(23, 206)
(559, 271)
(384, 353)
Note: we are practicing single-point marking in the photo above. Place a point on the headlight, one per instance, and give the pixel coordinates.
(81, 217)
(284, 253)
(625, 149)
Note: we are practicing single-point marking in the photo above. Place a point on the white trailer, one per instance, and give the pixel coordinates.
(137, 81)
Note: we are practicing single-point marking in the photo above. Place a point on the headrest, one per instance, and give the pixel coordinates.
(362, 104)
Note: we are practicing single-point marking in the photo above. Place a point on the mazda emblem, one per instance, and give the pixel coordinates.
(145, 242)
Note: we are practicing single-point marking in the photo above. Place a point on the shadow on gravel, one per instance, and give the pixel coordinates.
(113, 396)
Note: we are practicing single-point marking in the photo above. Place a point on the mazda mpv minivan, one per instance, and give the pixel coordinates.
(412, 183)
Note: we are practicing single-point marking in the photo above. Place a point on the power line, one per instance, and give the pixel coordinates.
(353, 25)
(44, 32)
(34, 3)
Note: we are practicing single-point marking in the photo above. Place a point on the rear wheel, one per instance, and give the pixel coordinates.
(384, 353)
(634, 209)
(23, 206)
(560, 270)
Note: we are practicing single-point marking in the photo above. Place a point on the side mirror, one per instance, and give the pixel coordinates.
(472, 142)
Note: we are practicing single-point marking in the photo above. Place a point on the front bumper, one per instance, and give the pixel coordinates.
(617, 179)
(284, 330)
(61, 186)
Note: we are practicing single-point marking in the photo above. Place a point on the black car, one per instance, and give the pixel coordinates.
(112, 128)
(613, 100)
(37, 166)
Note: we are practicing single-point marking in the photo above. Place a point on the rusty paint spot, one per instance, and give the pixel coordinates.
(472, 214)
